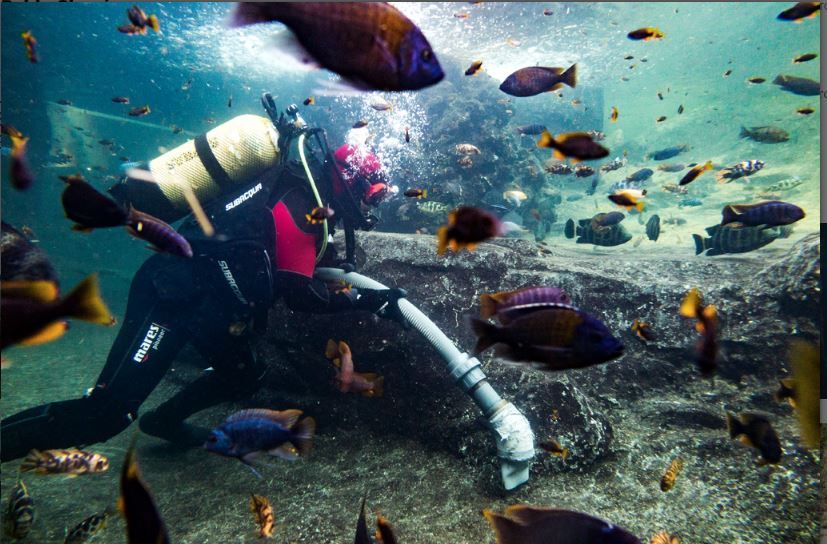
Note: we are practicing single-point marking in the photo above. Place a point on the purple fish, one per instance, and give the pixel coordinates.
(510, 305)
(772, 214)
(538, 79)
(370, 43)
(247, 434)
(162, 236)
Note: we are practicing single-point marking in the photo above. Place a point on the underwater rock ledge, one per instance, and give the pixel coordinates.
(575, 407)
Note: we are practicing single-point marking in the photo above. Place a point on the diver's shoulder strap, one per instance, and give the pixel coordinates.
(211, 164)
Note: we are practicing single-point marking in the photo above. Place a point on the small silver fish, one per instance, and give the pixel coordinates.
(432, 207)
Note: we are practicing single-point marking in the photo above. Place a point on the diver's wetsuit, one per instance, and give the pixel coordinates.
(213, 300)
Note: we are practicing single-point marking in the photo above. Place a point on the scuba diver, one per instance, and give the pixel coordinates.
(265, 248)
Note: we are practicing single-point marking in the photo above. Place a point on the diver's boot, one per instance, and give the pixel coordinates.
(167, 420)
(64, 424)
(157, 423)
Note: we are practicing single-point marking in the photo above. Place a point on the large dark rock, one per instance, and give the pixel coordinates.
(421, 402)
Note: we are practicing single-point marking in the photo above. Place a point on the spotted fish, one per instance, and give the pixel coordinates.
(71, 461)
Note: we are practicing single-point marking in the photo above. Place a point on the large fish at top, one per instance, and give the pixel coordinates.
(372, 44)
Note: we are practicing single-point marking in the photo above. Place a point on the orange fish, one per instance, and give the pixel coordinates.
(138, 112)
(665, 538)
(707, 324)
(384, 531)
(629, 198)
(553, 447)
(367, 384)
(646, 34)
(317, 215)
(467, 227)
(614, 115)
(643, 330)
(260, 507)
(31, 44)
(667, 482)
(474, 69)
(21, 175)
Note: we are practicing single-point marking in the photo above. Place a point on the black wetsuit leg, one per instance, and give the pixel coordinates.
(234, 374)
(155, 328)
(221, 332)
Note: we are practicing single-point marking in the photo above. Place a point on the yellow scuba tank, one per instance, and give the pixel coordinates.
(217, 162)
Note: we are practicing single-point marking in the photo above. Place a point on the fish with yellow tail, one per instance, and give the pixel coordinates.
(695, 172)
(248, 434)
(32, 312)
(577, 146)
(20, 173)
(629, 199)
(467, 227)
(706, 324)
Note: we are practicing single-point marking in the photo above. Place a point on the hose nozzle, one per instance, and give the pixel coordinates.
(515, 444)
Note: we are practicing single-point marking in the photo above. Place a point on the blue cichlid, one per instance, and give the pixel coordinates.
(668, 153)
(641, 175)
(534, 80)
(247, 434)
(557, 338)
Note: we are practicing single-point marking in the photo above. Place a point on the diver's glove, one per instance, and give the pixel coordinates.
(382, 302)
(348, 267)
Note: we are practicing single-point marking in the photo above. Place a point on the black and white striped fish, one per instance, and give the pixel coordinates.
(20, 512)
(743, 168)
(87, 529)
